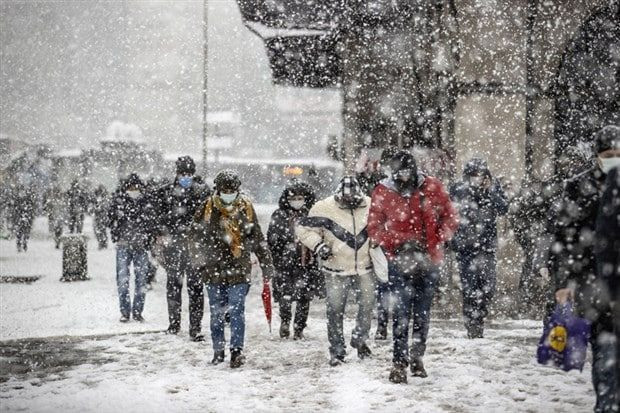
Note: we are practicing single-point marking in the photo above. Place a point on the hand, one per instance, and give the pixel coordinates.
(564, 295)
(324, 251)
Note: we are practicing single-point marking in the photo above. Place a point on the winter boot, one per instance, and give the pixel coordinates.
(218, 357)
(237, 359)
(284, 330)
(173, 329)
(363, 350)
(381, 333)
(124, 319)
(196, 336)
(298, 335)
(138, 317)
(398, 374)
(417, 368)
(336, 360)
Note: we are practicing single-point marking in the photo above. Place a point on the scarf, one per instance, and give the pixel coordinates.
(232, 218)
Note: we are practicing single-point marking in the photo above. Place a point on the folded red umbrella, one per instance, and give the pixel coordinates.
(266, 294)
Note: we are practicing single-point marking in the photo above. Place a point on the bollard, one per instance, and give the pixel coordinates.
(74, 257)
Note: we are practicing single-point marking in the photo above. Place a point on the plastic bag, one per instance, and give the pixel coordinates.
(379, 263)
(564, 341)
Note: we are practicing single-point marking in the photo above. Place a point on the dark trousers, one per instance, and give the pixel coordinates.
(413, 296)
(178, 266)
(301, 311)
(478, 279)
(101, 232)
(384, 296)
(604, 350)
(76, 223)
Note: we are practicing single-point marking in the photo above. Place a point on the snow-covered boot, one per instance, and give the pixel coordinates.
(381, 333)
(336, 360)
(124, 319)
(417, 368)
(237, 359)
(285, 331)
(173, 329)
(398, 374)
(363, 350)
(298, 335)
(218, 357)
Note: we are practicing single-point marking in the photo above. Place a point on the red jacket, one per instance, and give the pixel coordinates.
(395, 219)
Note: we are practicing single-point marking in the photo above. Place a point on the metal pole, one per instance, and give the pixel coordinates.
(205, 50)
(530, 92)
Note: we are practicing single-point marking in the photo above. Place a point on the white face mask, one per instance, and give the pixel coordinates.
(607, 164)
(134, 194)
(476, 181)
(229, 198)
(297, 204)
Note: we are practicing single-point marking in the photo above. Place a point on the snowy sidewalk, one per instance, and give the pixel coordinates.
(155, 372)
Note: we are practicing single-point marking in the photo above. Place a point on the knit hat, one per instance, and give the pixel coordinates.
(607, 138)
(185, 165)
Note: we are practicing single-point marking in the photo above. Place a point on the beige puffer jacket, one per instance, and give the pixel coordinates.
(344, 230)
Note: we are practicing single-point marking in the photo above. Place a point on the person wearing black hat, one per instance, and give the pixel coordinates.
(226, 233)
(176, 205)
(480, 200)
(573, 263)
(132, 225)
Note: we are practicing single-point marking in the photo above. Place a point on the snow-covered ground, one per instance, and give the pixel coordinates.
(63, 349)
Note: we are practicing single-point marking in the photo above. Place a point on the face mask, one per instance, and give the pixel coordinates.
(185, 181)
(134, 194)
(607, 164)
(403, 175)
(228, 198)
(297, 204)
(476, 181)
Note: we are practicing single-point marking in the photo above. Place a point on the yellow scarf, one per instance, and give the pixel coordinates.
(230, 219)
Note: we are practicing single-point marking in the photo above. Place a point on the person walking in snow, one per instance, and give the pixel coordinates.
(335, 230)
(226, 232)
(574, 265)
(77, 199)
(411, 217)
(101, 203)
(55, 208)
(23, 201)
(480, 200)
(176, 204)
(296, 267)
(132, 226)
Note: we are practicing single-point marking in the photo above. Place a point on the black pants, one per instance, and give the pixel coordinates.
(178, 265)
(76, 223)
(301, 313)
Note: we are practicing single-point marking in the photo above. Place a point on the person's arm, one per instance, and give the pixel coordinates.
(608, 234)
(448, 216)
(499, 199)
(377, 220)
(309, 234)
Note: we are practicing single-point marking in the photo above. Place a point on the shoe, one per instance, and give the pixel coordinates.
(284, 330)
(124, 319)
(398, 374)
(363, 350)
(417, 368)
(336, 360)
(227, 317)
(218, 357)
(172, 329)
(298, 335)
(237, 359)
(196, 337)
(381, 333)
(138, 317)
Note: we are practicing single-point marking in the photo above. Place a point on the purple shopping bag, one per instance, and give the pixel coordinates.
(565, 339)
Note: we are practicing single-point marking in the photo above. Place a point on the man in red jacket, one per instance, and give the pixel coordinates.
(411, 217)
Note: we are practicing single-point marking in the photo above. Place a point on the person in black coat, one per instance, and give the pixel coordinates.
(101, 203)
(77, 198)
(480, 200)
(574, 266)
(296, 267)
(608, 248)
(176, 205)
(131, 218)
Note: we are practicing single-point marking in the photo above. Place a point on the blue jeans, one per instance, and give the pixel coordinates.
(125, 256)
(413, 297)
(231, 298)
(337, 288)
(478, 281)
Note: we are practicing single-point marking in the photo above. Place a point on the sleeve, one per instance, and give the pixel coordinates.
(448, 217)
(499, 198)
(376, 222)
(260, 248)
(608, 233)
(275, 238)
(310, 236)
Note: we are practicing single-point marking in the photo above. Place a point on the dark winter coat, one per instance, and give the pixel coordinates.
(478, 211)
(77, 198)
(176, 207)
(608, 234)
(132, 221)
(211, 251)
(101, 206)
(572, 254)
(296, 267)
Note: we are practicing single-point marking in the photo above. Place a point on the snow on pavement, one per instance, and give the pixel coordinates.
(88, 361)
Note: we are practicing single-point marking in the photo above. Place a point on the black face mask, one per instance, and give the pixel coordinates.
(406, 180)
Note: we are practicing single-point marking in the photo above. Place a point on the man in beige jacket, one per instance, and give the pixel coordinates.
(335, 229)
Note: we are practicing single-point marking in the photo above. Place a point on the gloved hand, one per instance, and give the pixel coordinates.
(324, 251)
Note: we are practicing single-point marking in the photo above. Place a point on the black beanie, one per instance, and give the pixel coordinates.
(185, 166)
(607, 138)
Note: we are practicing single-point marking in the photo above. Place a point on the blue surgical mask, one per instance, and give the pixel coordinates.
(229, 198)
(186, 181)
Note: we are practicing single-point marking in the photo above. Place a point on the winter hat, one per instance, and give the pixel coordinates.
(133, 181)
(185, 166)
(349, 192)
(476, 166)
(403, 160)
(295, 188)
(607, 138)
(227, 179)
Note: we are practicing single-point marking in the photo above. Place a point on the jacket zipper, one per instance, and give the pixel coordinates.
(354, 240)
